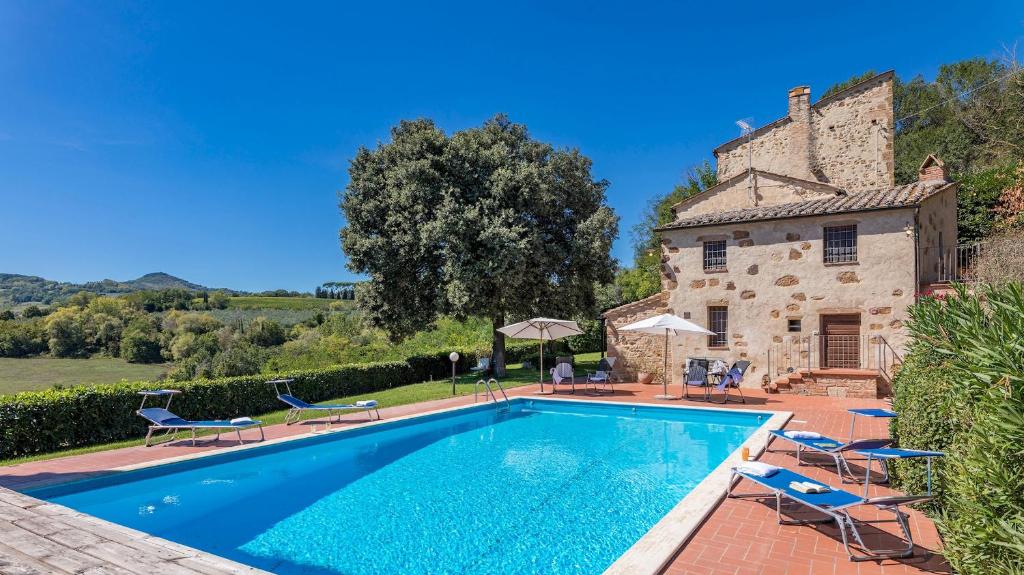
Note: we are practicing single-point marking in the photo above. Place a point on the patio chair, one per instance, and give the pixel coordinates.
(731, 379)
(835, 504)
(697, 376)
(818, 443)
(298, 406)
(602, 376)
(483, 366)
(561, 374)
(161, 418)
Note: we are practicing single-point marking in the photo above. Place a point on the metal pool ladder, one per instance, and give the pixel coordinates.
(490, 393)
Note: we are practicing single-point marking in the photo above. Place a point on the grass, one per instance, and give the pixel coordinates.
(418, 392)
(34, 373)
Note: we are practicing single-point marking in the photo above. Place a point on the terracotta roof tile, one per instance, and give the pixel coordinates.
(905, 196)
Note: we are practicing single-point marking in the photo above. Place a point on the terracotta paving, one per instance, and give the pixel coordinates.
(741, 536)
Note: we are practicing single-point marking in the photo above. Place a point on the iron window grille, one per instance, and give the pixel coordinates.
(714, 255)
(840, 244)
(718, 322)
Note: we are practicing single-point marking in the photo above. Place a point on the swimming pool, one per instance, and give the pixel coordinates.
(550, 486)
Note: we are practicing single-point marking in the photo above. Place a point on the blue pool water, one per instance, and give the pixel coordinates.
(550, 487)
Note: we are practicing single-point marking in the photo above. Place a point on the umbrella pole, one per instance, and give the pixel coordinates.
(664, 381)
(542, 365)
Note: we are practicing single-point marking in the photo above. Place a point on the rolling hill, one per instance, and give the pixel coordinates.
(16, 289)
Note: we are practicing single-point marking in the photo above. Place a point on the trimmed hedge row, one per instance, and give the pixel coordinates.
(55, 419)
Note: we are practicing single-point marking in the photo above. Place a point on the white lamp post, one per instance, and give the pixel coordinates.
(454, 356)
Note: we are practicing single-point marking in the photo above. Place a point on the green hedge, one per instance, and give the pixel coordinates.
(961, 390)
(55, 419)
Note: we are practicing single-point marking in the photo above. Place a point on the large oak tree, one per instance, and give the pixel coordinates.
(487, 221)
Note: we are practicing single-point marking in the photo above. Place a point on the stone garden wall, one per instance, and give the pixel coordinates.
(636, 352)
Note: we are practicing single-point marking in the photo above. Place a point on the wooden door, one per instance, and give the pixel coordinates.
(840, 341)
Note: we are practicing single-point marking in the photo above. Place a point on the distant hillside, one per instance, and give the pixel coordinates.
(18, 289)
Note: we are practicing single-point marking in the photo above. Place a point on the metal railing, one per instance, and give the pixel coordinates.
(954, 264)
(490, 392)
(821, 351)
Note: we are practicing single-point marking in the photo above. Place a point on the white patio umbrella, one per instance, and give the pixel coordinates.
(666, 324)
(544, 329)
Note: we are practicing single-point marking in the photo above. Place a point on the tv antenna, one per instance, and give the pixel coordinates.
(747, 130)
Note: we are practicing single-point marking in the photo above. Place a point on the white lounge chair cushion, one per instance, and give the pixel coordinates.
(800, 434)
(242, 420)
(757, 468)
(367, 403)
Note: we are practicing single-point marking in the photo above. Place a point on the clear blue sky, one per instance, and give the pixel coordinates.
(209, 139)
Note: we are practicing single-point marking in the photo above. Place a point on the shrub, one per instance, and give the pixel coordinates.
(138, 346)
(43, 421)
(6, 315)
(962, 390)
(21, 339)
(265, 332)
(240, 359)
(65, 333)
(33, 311)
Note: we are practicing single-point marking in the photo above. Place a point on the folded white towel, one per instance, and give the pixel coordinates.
(798, 434)
(367, 403)
(239, 420)
(757, 468)
(808, 487)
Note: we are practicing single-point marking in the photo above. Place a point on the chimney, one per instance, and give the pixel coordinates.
(800, 152)
(800, 104)
(932, 169)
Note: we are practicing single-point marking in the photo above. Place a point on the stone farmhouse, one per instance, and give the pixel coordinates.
(804, 257)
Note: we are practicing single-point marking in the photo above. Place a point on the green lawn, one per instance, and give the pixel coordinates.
(25, 374)
(415, 393)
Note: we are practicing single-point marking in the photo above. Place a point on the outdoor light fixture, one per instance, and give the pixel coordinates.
(454, 356)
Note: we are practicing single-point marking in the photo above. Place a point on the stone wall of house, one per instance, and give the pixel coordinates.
(636, 352)
(736, 194)
(844, 140)
(775, 273)
(852, 134)
(938, 235)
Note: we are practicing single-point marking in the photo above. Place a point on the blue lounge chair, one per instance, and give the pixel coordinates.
(835, 504)
(298, 406)
(884, 454)
(834, 449)
(161, 418)
(868, 412)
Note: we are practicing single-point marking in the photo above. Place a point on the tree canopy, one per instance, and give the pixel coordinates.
(643, 279)
(487, 221)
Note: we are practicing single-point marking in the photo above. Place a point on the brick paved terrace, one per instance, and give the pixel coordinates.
(741, 536)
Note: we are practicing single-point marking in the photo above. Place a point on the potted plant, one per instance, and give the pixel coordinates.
(644, 377)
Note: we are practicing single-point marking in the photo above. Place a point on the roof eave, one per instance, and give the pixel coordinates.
(792, 217)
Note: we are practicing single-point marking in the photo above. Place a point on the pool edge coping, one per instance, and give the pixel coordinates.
(662, 542)
(649, 554)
